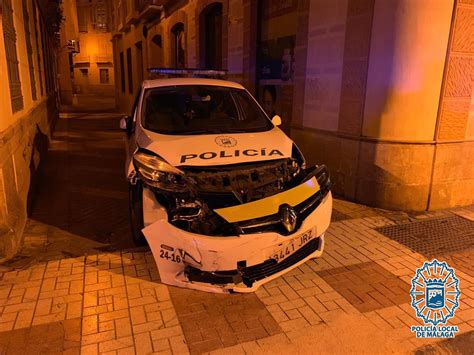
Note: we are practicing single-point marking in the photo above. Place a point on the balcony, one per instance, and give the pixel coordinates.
(124, 27)
(103, 59)
(132, 12)
(150, 9)
(84, 59)
(116, 34)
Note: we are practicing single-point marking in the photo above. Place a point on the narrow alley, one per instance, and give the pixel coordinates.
(83, 194)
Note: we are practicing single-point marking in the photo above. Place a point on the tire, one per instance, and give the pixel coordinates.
(135, 194)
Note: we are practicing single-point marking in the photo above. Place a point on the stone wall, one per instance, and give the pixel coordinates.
(453, 168)
(395, 144)
(453, 175)
(325, 54)
(22, 148)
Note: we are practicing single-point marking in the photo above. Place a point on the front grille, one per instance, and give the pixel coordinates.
(248, 275)
(272, 223)
(270, 267)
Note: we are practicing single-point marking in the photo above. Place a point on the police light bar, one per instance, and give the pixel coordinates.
(187, 71)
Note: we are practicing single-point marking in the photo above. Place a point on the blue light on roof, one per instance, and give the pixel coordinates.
(187, 71)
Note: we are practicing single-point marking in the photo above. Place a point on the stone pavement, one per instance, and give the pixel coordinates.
(79, 287)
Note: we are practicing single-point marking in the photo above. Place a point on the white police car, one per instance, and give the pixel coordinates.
(223, 197)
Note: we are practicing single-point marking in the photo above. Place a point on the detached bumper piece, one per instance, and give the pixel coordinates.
(251, 274)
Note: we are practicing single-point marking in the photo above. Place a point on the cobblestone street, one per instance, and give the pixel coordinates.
(81, 285)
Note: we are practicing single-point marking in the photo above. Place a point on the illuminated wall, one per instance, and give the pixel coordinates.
(407, 56)
(69, 32)
(400, 134)
(96, 50)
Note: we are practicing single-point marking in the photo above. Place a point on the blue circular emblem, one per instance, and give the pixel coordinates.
(435, 292)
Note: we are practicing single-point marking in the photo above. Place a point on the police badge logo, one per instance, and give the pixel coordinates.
(226, 141)
(435, 297)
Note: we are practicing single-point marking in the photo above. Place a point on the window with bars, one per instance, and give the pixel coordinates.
(99, 16)
(130, 70)
(9, 37)
(104, 76)
(177, 45)
(83, 17)
(29, 49)
(38, 52)
(47, 58)
(122, 72)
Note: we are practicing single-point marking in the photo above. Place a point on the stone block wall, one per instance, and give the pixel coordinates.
(394, 157)
(453, 168)
(455, 104)
(22, 148)
(453, 175)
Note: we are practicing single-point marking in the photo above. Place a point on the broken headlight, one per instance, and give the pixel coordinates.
(298, 156)
(157, 173)
(324, 180)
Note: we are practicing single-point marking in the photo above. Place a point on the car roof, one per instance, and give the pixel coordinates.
(156, 83)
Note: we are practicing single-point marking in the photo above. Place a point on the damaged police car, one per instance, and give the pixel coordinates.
(223, 197)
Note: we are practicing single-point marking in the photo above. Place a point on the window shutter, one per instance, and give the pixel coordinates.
(29, 49)
(9, 36)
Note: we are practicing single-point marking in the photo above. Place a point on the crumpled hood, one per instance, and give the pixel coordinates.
(217, 149)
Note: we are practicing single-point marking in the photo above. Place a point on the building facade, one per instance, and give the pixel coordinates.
(86, 50)
(28, 107)
(380, 91)
(69, 46)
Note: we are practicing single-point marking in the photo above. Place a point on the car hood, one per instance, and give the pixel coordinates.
(217, 149)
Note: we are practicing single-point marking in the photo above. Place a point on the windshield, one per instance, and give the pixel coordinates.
(200, 109)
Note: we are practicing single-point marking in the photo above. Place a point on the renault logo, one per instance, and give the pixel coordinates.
(288, 217)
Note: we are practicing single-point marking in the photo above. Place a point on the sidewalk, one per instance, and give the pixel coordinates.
(78, 287)
(92, 103)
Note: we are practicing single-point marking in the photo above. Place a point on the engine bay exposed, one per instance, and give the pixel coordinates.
(224, 186)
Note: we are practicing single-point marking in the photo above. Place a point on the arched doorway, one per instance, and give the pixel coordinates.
(177, 45)
(210, 34)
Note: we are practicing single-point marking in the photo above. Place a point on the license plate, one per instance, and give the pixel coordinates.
(293, 246)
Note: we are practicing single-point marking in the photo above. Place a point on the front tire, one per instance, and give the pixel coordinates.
(135, 193)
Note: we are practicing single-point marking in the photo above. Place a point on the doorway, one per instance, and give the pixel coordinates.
(211, 37)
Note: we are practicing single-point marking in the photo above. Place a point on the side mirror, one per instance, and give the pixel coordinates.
(126, 124)
(276, 120)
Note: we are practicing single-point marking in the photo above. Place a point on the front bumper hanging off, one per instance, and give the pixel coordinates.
(233, 263)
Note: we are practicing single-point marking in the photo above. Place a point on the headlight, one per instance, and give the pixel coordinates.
(298, 156)
(158, 173)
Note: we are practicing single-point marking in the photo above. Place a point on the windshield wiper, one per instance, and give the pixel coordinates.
(202, 131)
(242, 130)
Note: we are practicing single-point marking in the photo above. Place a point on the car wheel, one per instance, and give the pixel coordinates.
(136, 212)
